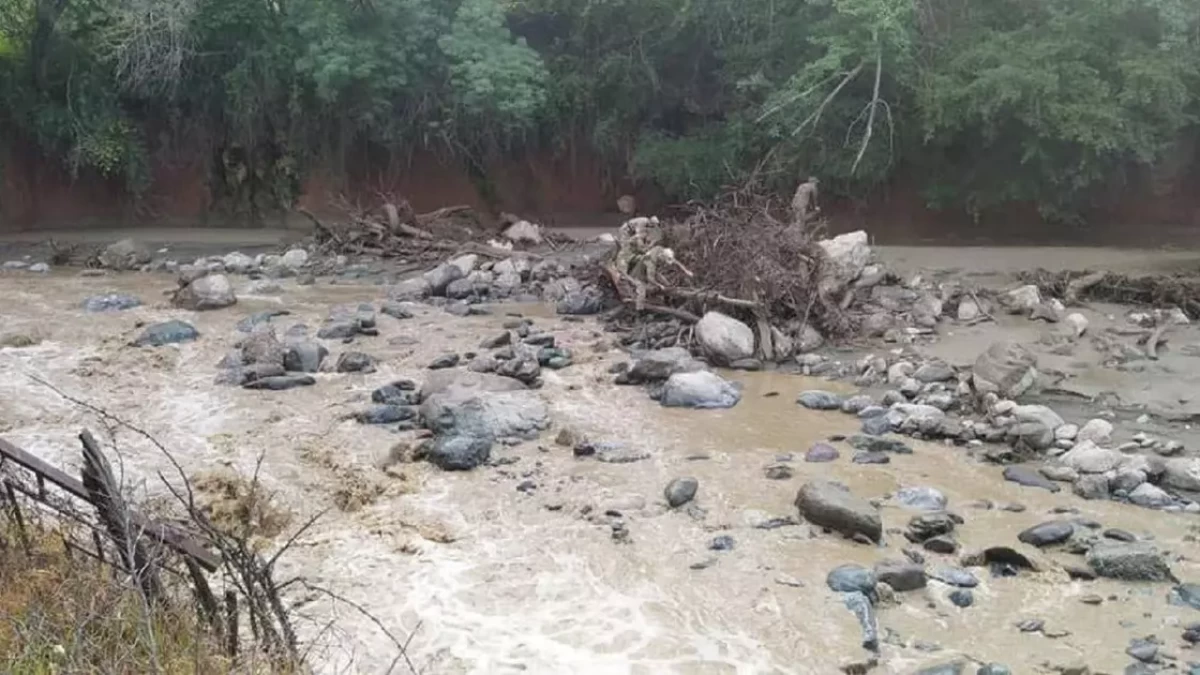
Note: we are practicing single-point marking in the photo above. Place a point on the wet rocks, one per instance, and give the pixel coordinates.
(851, 579)
(901, 575)
(681, 491)
(257, 319)
(347, 322)
(954, 576)
(860, 605)
(355, 362)
(701, 389)
(397, 310)
(846, 256)
(915, 417)
(934, 371)
(1005, 368)
(165, 333)
(444, 361)
(724, 339)
(658, 365)
(1087, 457)
(587, 301)
(921, 498)
(779, 472)
(262, 347)
(125, 255)
(961, 597)
(304, 356)
(385, 413)
(281, 382)
(410, 290)
(212, 291)
(1150, 496)
(1097, 431)
(1182, 473)
(110, 302)
(821, 452)
(929, 525)
(1029, 477)
(819, 400)
(1091, 486)
(1047, 534)
(1136, 561)
(952, 668)
(1185, 595)
(1022, 300)
(832, 506)
(400, 392)
(469, 412)
(524, 366)
(459, 452)
(880, 445)
(441, 276)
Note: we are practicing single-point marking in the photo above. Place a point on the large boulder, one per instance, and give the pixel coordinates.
(585, 301)
(1129, 561)
(1006, 368)
(724, 339)
(1182, 473)
(832, 505)
(126, 254)
(212, 291)
(468, 421)
(410, 290)
(1087, 457)
(262, 347)
(441, 276)
(846, 255)
(700, 389)
(660, 364)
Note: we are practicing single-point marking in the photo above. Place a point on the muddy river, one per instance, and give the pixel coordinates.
(491, 579)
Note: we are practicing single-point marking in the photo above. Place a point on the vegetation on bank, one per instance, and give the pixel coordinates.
(981, 104)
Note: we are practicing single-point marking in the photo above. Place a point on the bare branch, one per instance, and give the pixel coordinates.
(874, 105)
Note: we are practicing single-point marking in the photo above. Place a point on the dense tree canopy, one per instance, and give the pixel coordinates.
(980, 103)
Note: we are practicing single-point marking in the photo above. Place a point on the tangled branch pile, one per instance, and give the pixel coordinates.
(1179, 290)
(390, 228)
(745, 259)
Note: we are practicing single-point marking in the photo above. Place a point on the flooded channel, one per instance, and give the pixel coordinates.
(489, 578)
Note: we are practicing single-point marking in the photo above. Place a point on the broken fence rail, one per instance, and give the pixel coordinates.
(163, 533)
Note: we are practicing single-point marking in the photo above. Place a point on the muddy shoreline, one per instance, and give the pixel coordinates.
(514, 566)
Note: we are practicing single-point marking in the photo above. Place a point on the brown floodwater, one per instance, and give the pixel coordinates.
(495, 580)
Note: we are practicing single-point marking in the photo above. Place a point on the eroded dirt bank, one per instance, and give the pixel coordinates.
(514, 567)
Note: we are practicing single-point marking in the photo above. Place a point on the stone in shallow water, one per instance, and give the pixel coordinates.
(871, 458)
(281, 382)
(922, 498)
(879, 444)
(1047, 534)
(821, 452)
(961, 597)
(819, 400)
(851, 579)
(1029, 477)
(681, 491)
(165, 333)
(955, 576)
(110, 302)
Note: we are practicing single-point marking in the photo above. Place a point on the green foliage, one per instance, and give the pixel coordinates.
(986, 104)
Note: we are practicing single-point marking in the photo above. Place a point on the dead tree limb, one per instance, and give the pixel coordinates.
(874, 105)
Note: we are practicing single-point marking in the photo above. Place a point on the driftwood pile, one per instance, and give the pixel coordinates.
(1161, 290)
(389, 228)
(744, 257)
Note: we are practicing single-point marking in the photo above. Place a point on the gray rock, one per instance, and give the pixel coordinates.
(832, 506)
(397, 310)
(880, 444)
(1005, 368)
(928, 525)
(355, 362)
(459, 452)
(909, 417)
(1047, 534)
(125, 255)
(110, 302)
(1097, 431)
(724, 339)
(993, 669)
(968, 309)
(921, 498)
(1150, 496)
(1021, 300)
(1185, 595)
(701, 389)
(417, 288)
(821, 452)
(864, 611)
(961, 597)
(1182, 473)
(846, 256)
(304, 356)
(444, 361)
(901, 575)
(1091, 486)
(206, 293)
(1032, 435)
(441, 276)
(281, 382)
(1040, 414)
(400, 392)
(876, 426)
(1127, 479)
(165, 333)
(934, 371)
(1023, 475)
(856, 404)
(954, 576)
(459, 382)
(851, 579)
(819, 400)
(237, 263)
(952, 668)
(587, 301)
(496, 415)
(660, 364)
(681, 491)
(294, 258)
(1138, 561)
(262, 347)
(1086, 457)
(1060, 474)
(385, 413)
(866, 457)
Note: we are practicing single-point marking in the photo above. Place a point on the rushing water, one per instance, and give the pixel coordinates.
(489, 579)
